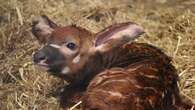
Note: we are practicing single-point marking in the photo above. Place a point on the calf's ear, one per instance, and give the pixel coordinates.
(117, 35)
(42, 27)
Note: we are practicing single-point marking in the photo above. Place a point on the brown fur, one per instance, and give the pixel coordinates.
(147, 82)
(111, 74)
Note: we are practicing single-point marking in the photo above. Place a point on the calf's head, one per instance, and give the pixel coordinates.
(67, 49)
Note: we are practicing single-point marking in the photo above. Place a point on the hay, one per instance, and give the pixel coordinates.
(169, 25)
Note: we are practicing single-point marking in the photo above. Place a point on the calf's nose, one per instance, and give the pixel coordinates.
(39, 56)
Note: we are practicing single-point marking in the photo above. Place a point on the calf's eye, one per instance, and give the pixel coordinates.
(71, 45)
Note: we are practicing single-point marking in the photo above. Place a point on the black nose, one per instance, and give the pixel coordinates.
(39, 56)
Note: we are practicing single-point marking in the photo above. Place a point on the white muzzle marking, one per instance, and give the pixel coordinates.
(55, 46)
(66, 70)
(76, 59)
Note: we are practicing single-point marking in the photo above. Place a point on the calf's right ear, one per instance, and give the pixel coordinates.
(42, 28)
(117, 35)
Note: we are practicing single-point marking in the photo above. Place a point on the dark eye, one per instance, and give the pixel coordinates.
(71, 45)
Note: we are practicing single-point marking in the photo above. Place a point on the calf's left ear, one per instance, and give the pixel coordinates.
(42, 27)
(117, 35)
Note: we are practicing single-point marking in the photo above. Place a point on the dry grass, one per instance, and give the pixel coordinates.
(169, 24)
